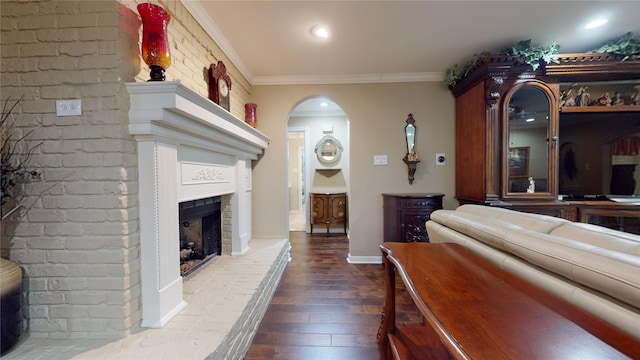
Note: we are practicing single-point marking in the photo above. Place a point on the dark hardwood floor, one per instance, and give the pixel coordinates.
(324, 308)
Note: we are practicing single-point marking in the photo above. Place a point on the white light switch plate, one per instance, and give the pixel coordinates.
(380, 160)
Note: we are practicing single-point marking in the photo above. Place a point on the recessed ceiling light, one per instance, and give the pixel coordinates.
(324, 104)
(595, 23)
(320, 32)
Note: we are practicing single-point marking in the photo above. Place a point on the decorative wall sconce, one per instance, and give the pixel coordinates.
(412, 158)
(155, 43)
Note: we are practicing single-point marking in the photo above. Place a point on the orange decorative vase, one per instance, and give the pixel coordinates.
(250, 114)
(155, 43)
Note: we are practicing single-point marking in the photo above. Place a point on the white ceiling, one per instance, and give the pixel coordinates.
(386, 41)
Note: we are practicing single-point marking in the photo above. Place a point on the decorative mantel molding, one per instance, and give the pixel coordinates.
(188, 147)
(167, 108)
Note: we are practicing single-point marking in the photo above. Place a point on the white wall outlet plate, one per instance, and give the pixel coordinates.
(69, 107)
(441, 159)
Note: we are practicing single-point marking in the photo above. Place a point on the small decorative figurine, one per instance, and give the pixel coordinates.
(617, 99)
(567, 97)
(583, 96)
(532, 186)
(635, 98)
(605, 99)
(571, 101)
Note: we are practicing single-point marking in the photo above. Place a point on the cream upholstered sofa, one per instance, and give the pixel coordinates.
(595, 268)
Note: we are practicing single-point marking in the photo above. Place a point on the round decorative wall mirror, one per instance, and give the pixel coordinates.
(328, 150)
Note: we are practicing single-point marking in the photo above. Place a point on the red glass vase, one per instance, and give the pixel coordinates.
(250, 114)
(155, 42)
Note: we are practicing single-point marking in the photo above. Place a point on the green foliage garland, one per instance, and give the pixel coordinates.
(532, 55)
(454, 73)
(627, 46)
(526, 54)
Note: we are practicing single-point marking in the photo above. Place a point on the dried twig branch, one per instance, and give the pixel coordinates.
(14, 158)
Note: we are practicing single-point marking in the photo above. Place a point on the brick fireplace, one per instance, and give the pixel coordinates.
(188, 149)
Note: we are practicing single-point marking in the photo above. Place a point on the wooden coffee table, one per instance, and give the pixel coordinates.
(474, 310)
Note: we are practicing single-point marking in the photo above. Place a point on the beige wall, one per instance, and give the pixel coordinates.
(377, 114)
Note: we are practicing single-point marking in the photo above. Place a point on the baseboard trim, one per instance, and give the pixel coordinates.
(364, 259)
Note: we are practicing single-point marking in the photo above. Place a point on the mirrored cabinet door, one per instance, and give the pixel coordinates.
(530, 136)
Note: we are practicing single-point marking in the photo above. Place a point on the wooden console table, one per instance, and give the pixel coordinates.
(329, 209)
(474, 310)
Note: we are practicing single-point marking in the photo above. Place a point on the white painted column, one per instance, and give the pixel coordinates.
(241, 200)
(161, 282)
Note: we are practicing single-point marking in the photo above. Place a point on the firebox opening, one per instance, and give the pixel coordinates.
(200, 233)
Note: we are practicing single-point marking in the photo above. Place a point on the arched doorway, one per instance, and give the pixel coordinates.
(311, 120)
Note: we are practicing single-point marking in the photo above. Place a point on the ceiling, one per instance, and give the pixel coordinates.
(390, 41)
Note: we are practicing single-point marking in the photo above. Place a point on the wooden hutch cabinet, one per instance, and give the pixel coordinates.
(551, 141)
(329, 209)
(405, 215)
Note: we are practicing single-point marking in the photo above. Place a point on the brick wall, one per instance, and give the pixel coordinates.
(79, 242)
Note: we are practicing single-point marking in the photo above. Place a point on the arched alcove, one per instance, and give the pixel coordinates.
(310, 123)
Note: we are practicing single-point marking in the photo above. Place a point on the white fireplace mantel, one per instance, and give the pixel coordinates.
(169, 108)
(171, 123)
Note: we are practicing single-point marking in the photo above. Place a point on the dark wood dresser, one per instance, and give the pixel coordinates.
(405, 215)
(329, 209)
